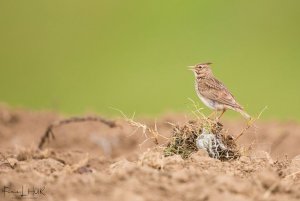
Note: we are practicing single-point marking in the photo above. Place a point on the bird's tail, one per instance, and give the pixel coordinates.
(242, 112)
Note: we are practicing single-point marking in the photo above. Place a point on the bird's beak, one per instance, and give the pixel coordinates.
(191, 68)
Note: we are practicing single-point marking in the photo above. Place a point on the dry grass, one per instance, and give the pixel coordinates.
(148, 132)
(183, 141)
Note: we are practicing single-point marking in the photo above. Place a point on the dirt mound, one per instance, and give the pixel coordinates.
(91, 161)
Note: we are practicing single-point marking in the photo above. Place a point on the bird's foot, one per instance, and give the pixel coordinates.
(250, 121)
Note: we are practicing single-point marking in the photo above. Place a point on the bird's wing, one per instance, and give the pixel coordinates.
(215, 90)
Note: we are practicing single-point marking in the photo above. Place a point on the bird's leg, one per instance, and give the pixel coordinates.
(211, 116)
(223, 111)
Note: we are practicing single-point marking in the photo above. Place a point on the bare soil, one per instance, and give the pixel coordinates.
(91, 161)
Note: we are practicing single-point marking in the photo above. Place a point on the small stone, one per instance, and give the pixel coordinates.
(294, 169)
(199, 155)
(295, 164)
(262, 155)
(245, 159)
(122, 167)
(181, 175)
(268, 178)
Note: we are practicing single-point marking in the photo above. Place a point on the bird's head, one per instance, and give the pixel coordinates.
(201, 70)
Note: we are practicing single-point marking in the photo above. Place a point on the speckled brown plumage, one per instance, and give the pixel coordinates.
(212, 92)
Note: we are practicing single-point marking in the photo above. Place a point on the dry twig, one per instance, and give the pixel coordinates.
(49, 131)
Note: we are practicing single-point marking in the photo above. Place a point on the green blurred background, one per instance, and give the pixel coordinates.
(76, 56)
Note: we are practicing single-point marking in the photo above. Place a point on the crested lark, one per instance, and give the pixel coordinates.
(213, 93)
